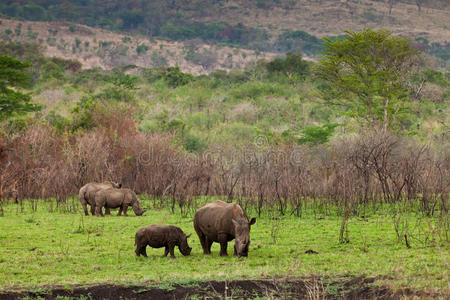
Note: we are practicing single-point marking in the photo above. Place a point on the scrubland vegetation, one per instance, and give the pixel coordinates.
(355, 167)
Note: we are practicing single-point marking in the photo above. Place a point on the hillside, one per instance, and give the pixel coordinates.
(201, 36)
(331, 17)
(95, 47)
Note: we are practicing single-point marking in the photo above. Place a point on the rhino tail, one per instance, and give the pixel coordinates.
(82, 195)
(137, 238)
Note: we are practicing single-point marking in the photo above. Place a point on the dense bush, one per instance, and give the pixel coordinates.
(352, 174)
(174, 77)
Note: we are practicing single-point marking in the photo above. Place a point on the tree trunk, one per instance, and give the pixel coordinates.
(385, 115)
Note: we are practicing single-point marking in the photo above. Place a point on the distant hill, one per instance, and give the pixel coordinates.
(95, 47)
(202, 35)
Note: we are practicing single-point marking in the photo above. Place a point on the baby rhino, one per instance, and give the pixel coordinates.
(158, 236)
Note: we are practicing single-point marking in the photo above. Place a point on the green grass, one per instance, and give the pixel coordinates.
(45, 248)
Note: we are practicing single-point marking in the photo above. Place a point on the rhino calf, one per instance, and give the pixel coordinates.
(117, 198)
(158, 236)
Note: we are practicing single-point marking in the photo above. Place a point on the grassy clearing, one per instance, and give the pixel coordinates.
(44, 248)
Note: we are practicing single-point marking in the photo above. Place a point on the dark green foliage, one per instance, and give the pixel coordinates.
(217, 32)
(34, 12)
(125, 81)
(292, 64)
(82, 115)
(152, 75)
(131, 19)
(43, 67)
(176, 126)
(295, 40)
(174, 77)
(57, 121)
(52, 70)
(142, 49)
(12, 101)
(193, 143)
(317, 134)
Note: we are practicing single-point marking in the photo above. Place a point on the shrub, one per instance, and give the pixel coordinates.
(174, 77)
(292, 64)
(315, 135)
(193, 143)
(142, 49)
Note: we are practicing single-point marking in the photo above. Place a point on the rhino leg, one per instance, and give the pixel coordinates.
(92, 210)
(204, 243)
(166, 251)
(120, 211)
(107, 211)
(223, 244)
(172, 250)
(98, 211)
(85, 208)
(124, 208)
(144, 251)
(141, 250)
(84, 204)
(208, 245)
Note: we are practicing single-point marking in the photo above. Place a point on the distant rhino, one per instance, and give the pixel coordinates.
(222, 222)
(87, 194)
(158, 236)
(113, 198)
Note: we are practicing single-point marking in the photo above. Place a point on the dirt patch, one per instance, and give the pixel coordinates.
(311, 287)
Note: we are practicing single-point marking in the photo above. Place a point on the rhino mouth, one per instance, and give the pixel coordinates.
(186, 252)
(242, 252)
(138, 210)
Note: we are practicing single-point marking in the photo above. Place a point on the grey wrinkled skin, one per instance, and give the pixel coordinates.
(158, 236)
(222, 222)
(87, 193)
(117, 198)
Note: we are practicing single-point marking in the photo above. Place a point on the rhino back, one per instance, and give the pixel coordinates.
(114, 197)
(90, 190)
(160, 235)
(213, 219)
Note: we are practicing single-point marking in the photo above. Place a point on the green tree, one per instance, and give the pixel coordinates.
(174, 77)
(292, 64)
(12, 76)
(366, 72)
(317, 134)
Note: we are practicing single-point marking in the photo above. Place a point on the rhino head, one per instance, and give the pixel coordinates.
(184, 247)
(242, 236)
(137, 207)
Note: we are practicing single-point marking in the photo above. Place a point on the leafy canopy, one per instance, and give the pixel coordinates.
(12, 101)
(366, 73)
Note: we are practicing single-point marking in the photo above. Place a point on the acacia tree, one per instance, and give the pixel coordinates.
(12, 76)
(366, 73)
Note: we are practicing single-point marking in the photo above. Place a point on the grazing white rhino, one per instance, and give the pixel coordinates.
(158, 236)
(222, 222)
(87, 194)
(113, 198)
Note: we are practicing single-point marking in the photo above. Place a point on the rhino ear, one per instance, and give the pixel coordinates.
(188, 235)
(252, 221)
